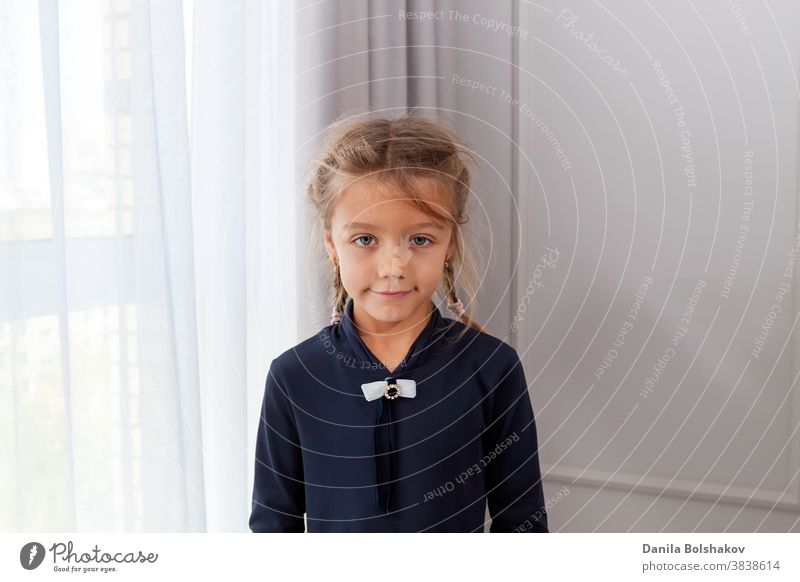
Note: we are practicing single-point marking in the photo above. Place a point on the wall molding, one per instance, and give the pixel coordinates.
(684, 489)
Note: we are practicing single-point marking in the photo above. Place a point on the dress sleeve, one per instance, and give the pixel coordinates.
(513, 480)
(278, 488)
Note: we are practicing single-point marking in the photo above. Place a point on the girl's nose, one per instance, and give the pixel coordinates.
(394, 261)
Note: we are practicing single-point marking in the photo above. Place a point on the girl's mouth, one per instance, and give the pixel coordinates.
(392, 294)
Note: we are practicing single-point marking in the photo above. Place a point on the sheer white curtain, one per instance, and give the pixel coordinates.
(99, 401)
(156, 249)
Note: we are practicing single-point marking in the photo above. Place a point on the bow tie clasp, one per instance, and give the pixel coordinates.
(390, 388)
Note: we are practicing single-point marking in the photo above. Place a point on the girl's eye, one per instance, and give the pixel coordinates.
(423, 238)
(361, 238)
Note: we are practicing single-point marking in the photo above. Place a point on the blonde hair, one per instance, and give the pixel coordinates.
(397, 152)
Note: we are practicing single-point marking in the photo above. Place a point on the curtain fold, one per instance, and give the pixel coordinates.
(219, 165)
(172, 445)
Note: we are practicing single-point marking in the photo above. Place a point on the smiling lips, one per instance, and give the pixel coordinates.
(393, 293)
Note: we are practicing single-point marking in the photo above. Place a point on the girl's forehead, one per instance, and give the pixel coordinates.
(365, 202)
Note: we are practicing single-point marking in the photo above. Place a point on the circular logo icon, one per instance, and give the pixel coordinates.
(31, 555)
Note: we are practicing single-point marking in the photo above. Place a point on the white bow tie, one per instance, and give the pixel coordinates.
(374, 390)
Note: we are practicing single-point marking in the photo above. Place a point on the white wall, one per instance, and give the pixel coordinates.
(713, 444)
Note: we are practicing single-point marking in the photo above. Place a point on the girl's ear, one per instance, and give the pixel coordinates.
(450, 251)
(329, 246)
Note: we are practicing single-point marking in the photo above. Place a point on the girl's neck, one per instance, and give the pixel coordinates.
(391, 336)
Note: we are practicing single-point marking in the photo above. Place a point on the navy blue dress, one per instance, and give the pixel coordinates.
(423, 464)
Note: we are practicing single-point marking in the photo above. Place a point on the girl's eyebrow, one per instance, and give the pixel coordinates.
(355, 225)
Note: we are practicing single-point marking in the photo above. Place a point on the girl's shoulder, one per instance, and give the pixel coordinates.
(481, 344)
(310, 347)
(306, 348)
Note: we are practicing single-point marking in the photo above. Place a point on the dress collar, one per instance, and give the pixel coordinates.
(417, 355)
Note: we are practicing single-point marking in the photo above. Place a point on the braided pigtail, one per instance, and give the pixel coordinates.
(339, 296)
(454, 304)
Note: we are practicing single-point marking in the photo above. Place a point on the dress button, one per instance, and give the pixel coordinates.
(392, 391)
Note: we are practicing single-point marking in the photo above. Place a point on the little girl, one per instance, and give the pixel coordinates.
(395, 418)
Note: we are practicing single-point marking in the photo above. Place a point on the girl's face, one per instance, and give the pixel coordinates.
(391, 254)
